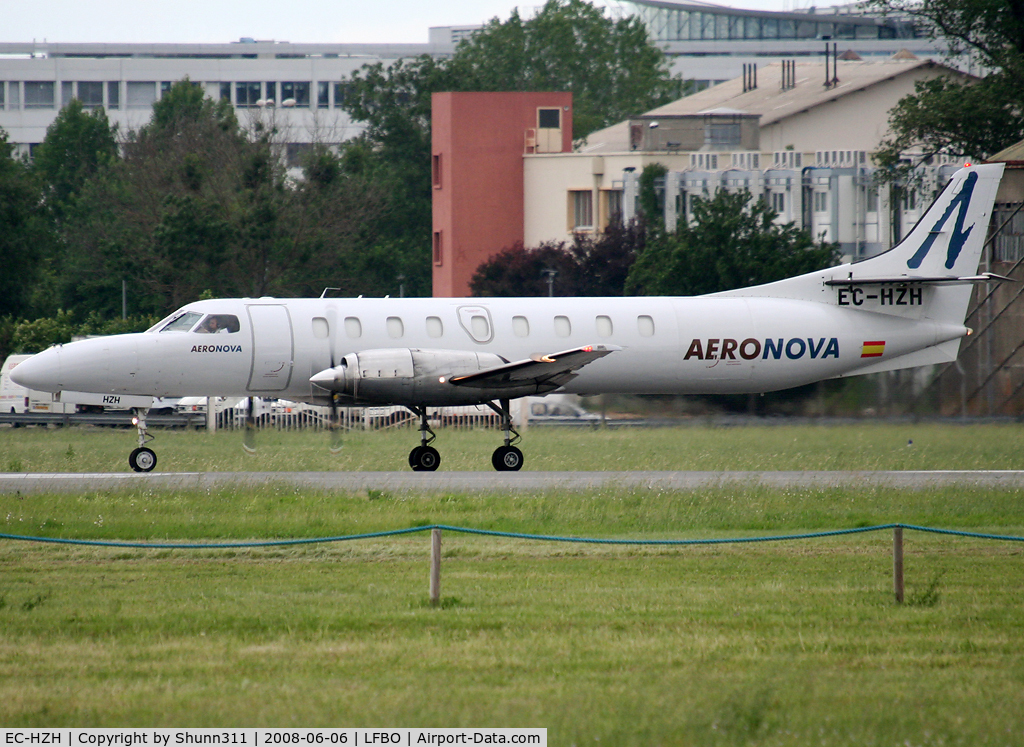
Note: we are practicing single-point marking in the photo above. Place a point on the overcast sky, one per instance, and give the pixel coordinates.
(345, 21)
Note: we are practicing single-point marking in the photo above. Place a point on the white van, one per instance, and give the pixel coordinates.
(18, 399)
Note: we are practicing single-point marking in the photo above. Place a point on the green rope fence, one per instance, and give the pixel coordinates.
(436, 529)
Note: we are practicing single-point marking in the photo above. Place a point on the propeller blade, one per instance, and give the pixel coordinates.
(249, 433)
(334, 427)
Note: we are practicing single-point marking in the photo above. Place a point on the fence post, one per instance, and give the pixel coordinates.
(435, 567)
(897, 563)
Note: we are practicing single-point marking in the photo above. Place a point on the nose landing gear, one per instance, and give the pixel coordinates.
(142, 459)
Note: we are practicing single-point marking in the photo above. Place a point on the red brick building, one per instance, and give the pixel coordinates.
(478, 144)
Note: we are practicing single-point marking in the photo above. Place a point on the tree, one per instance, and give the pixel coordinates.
(25, 237)
(734, 242)
(586, 267)
(963, 117)
(76, 147)
(197, 205)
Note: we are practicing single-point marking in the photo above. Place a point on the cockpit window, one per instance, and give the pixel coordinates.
(182, 323)
(221, 324)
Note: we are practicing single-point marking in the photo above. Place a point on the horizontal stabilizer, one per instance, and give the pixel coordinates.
(550, 371)
(986, 277)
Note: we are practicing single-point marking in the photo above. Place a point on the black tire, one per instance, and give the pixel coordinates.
(142, 460)
(427, 459)
(507, 459)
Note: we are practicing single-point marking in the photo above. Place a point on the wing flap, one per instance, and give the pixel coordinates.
(552, 370)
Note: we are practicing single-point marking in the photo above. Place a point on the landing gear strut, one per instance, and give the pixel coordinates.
(424, 458)
(143, 459)
(506, 458)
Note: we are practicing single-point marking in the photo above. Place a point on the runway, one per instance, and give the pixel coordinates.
(492, 482)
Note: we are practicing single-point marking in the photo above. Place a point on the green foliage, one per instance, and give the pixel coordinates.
(733, 242)
(34, 335)
(586, 267)
(77, 146)
(652, 203)
(25, 236)
(956, 116)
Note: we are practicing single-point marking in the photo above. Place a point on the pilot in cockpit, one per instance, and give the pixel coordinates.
(218, 325)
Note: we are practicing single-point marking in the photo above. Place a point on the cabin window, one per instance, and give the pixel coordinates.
(645, 325)
(435, 327)
(218, 324)
(183, 323)
(321, 329)
(604, 326)
(353, 327)
(521, 326)
(563, 328)
(396, 329)
(480, 327)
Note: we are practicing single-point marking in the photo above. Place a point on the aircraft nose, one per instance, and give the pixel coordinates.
(41, 372)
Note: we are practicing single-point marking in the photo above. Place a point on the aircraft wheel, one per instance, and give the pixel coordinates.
(507, 459)
(142, 460)
(424, 459)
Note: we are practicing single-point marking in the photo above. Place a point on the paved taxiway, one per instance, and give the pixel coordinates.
(473, 482)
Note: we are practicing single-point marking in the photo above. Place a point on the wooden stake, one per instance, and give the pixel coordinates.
(435, 567)
(897, 563)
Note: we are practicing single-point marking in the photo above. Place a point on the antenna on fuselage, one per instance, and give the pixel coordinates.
(324, 294)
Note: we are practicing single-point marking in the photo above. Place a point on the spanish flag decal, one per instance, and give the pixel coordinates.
(873, 349)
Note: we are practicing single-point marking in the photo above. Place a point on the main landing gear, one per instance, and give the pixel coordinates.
(143, 459)
(507, 458)
(424, 458)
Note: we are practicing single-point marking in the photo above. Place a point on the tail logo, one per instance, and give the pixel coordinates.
(956, 242)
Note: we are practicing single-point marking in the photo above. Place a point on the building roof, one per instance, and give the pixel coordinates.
(769, 100)
(1012, 155)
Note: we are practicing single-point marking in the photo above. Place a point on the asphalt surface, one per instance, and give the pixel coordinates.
(482, 482)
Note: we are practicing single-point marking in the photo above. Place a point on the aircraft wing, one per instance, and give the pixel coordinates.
(547, 371)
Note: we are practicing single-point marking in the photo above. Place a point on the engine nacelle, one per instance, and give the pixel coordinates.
(407, 376)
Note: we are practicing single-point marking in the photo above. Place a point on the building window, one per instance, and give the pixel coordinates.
(437, 248)
(141, 94)
(872, 200)
(779, 202)
(246, 94)
(614, 197)
(225, 92)
(114, 94)
(14, 94)
(39, 94)
(90, 93)
(323, 93)
(549, 118)
(582, 210)
(821, 202)
(340, 92)
(295, 94)
(3, 88)
(295, 154)
(165, 87)
(435, 171)
(910, 199)
(722, 134)
(67, 92)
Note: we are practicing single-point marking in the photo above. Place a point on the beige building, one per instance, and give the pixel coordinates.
(801, 134)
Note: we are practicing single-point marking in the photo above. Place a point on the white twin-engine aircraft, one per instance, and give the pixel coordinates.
(900, 309)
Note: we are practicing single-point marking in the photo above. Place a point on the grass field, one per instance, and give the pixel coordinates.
(793, 643)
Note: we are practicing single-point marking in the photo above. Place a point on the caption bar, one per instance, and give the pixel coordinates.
(268, 737)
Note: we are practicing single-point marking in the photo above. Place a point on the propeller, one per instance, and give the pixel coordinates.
(249, 433)
(334, 426)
